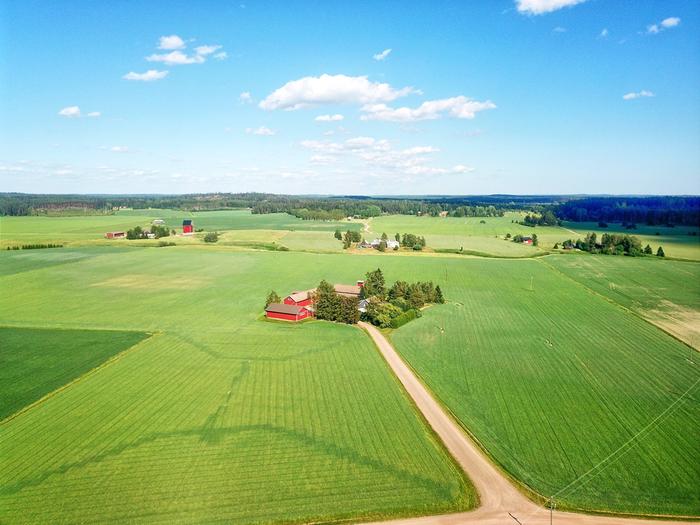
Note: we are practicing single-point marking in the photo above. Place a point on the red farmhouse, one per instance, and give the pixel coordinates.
(287, 312)
(187, 226)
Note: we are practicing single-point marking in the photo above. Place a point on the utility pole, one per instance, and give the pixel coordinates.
(552, 505)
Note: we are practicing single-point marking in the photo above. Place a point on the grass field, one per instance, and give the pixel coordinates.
(34, 362)
(80, 230)
(219, 416)
(666, 293)
(554, 379)
(550, 377)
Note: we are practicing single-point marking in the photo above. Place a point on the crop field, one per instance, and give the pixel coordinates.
(217, 416)
(466, 232)
(568, 392)
(682, 242)
(91, 228)
(667, 293)
(555, 381)
(34, 362)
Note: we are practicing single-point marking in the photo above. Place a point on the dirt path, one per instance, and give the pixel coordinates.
(501, 502)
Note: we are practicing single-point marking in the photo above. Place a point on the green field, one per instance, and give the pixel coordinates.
(219, 416)
(34, 362)
(666, 293)
(536, 357)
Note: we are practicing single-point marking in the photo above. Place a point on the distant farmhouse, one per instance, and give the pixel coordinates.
(299, 305)
(115, 235)
(390, 244)
(187, 226)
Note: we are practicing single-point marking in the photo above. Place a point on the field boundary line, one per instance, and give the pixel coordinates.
(81, 377)
(621, 306)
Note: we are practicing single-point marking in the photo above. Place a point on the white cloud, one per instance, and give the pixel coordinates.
(322, 159)
(206, 50)
(331, 89)
(559, 29)
(94, 114)
(457, 107)
(70, 112)
(639, 94)
(119, 149)
(148, 76)
(666, 23)
(381, 56)
(245, 98)
(329, 118)
(222, 55)
(461, 168)
(176, 58)
(604, 33)
(672, 21)
(171, 42)
(262, 131)
(540, 7)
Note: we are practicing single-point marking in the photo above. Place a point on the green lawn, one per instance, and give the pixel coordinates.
(34, 362)
(219, 416)
(666, 293)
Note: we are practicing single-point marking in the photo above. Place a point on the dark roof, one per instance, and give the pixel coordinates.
(187, 222)
(291, 309)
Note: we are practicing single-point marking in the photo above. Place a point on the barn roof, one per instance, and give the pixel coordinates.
(290, 309)
(301, 296)
(187, 222)
(347, 289)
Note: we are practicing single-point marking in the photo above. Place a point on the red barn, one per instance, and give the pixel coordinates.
(299, 298)
(115, 235)
(187, 226)
(287, 312)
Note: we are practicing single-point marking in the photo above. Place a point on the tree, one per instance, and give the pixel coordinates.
(398, 238)
(327, 303)
(338, 235)
(211, 237)
(556, 246)
(439, 299)
(507, 235)
(648, 250)
(384, 236)
(272, 297)
(374, 284)
(534, 239)
(382, 246)
(660, 252)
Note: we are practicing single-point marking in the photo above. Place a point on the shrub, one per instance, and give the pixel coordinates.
(211, 237)
(162, 244)
(417, 247)
(408, 315)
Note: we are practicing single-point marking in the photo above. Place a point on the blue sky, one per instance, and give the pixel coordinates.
(525, 96)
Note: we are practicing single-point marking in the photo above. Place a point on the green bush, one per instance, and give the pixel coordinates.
(211, 237)
(408, 315)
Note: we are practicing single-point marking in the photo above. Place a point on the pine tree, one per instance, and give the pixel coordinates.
(660, 252)
(439, 299)
(648, 250)
(272, 298)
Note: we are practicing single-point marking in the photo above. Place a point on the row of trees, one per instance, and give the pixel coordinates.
(611, 244)
(331, 306)
(545, 218)
(647, 210)
(520, 238)
(34, 246)
(139, 233)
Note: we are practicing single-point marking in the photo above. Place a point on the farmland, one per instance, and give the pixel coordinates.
(34, 362)
(525, 355)
(217, 416)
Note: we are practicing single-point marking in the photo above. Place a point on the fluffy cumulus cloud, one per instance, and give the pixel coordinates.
(329, 118)
(666, 23)
(221, 55)
(457, 107)
(206, 50)
(176, 58)
(70, 112)
(148, 76)
(380, 157)
(540, 7)
(262, 131)
(637, 94)
(381, 56)
(331, 89)
(245, 98)
(171, 42)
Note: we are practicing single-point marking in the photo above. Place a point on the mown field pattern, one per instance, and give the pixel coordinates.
(34, 362)
(553, 379)
(667, 293)
(219, 416)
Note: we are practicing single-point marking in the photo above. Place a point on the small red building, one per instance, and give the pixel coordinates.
(527, 240)
(299, 298)
(115, 235)
(187, 226)
(287, 312)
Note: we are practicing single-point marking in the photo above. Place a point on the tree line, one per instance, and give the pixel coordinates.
(611, 244)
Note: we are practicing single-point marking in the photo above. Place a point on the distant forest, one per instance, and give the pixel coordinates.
(543, 208)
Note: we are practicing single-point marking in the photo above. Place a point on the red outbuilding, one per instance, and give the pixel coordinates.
(287, 312)
(115, 235)
(187, 226)
(300, 298)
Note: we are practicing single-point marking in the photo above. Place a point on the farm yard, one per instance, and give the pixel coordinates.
(520, 354)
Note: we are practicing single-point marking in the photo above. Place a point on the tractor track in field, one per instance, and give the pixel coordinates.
(500, 501)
